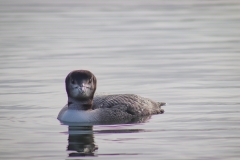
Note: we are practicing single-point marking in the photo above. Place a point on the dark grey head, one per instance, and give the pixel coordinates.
(81, 85)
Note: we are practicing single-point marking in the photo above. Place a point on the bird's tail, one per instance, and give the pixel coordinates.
(162, 104)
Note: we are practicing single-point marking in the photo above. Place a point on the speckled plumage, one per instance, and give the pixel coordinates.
(130, 103)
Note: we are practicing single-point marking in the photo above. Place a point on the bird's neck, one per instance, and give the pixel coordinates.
(80, 104)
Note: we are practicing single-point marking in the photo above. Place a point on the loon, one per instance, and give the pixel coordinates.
(83, 107)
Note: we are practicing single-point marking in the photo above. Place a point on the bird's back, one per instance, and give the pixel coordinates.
(130, 103)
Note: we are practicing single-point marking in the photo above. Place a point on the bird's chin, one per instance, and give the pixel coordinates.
(83, 96)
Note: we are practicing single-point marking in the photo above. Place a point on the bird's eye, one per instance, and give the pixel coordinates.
(72, 81)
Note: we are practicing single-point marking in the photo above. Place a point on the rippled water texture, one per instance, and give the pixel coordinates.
(185, 53)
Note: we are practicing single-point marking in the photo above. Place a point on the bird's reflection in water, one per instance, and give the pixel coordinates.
(81, 141)
(81, 136)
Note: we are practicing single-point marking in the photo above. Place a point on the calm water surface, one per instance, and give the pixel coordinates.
(183, 53)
